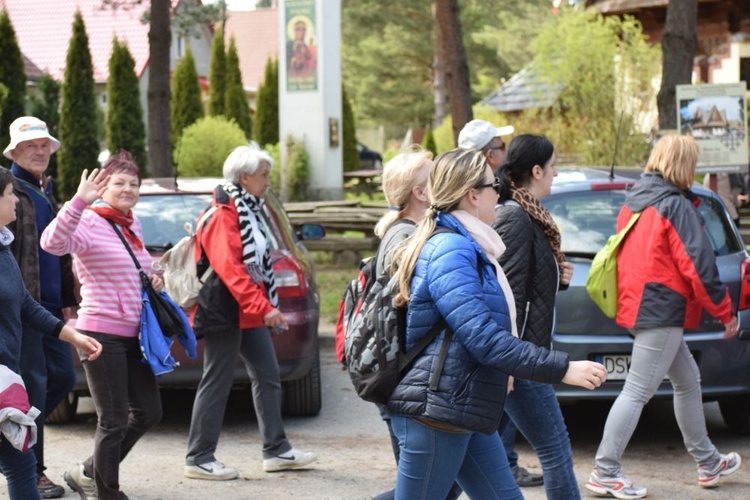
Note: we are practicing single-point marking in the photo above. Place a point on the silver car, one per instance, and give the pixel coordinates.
(585, 204)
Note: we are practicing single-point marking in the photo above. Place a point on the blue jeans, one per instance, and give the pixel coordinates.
(49, 374)
(534, 409)
(19, 469)
(431, 459)
(507, 430)
(657, 352)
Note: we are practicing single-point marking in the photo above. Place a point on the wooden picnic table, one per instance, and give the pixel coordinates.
(367, 181)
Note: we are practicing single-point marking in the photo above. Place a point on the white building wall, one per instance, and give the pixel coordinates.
(305, 114)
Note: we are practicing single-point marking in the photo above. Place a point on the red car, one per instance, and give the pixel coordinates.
(165, 205)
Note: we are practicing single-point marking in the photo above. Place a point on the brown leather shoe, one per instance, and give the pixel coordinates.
(48, 489)
(525, 478)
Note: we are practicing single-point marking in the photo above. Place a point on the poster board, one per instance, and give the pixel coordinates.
(716, 116)
(301, 45)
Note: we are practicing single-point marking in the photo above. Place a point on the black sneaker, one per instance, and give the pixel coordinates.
(525, 478)
(48, 489)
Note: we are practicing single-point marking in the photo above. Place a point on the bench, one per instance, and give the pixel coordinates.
(367, 181)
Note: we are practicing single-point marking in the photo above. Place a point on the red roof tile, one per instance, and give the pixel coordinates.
(256, 34)
(44, 28)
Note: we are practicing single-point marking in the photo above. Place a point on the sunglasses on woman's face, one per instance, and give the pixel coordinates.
(494, 185)
(500, 146)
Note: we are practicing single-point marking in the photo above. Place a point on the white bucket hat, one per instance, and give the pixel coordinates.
(478, 133)
(28, 128)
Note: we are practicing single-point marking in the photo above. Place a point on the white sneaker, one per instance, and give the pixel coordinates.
(213, 471)
(80, 483)
(292, 459)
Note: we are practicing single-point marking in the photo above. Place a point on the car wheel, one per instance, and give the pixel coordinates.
(736, 413)
(65, 411)
(301, 397)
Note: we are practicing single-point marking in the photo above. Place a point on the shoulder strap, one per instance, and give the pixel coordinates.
(631, 222)
(144, 277)
(432, 334)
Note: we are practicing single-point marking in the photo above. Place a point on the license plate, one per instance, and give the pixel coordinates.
(617, 366)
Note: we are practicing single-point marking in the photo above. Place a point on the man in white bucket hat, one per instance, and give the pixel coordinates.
(46, 363)
(484, 136)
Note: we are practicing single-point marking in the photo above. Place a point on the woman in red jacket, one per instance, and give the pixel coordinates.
(236, 311)
(657, 298)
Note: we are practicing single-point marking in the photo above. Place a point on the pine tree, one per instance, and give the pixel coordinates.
(266, 129)
(235, 105)
(187, 106)
(47, 109)
(125, 128)
(348, 134)
(13, 77)
(217, 77)
(79, 147)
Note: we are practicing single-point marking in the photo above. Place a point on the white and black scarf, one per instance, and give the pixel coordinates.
(255, 252)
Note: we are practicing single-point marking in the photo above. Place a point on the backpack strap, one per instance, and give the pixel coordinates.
(432, 334)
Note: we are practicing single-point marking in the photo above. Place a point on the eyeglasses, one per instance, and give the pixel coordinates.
(501, 147)
(494, 185)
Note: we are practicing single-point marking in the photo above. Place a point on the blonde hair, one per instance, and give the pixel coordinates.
(400, 175)
(675, 157)
(454, 174)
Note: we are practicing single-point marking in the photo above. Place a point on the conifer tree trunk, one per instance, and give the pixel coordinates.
(159, 126)
(678, 47)
(457, 66)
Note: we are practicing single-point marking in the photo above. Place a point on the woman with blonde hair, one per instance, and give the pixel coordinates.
(405, 189)
(447, 407)
(657, 298)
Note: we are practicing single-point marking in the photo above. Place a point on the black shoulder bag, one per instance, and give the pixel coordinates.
(168, 319)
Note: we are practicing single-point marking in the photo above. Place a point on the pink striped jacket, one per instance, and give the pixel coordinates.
(110, 284)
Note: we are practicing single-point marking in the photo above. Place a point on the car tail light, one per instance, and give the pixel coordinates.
(610, 186)
(745, 286)
(290, 279)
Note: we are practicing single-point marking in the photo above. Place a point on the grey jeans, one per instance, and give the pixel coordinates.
(219, 360)
(657, 352)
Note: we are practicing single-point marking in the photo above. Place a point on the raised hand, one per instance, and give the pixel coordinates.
(586, 374)
(92, 185)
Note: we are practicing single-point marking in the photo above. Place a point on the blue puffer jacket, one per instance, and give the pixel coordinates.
(473, 383)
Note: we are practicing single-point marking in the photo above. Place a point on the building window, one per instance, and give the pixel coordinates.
(103, 98)
(180, 47)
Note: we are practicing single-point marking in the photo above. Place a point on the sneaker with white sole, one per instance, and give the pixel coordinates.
(292, 459)
(708, 478)
(80, 483)
(619, 486)
(212, 471)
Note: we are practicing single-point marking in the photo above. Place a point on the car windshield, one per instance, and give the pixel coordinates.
(587, 218)
(163, 218)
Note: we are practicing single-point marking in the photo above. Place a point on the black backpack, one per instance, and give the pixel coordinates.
(375, 332)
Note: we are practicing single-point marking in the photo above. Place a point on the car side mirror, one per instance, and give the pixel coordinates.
(310, 231)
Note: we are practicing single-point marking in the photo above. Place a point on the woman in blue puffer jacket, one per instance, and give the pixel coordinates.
(446, 409)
